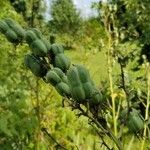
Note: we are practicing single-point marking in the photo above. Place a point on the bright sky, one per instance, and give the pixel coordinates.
(83, 5)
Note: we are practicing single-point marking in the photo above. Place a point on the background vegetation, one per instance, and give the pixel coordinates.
(114, 46)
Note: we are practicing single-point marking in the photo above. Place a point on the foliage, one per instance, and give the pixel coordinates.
(31, 11)
(122, 27)
(31, 113)
(65, 17)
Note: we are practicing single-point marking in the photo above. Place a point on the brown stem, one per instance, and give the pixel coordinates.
(124, 87)
(106, 130)
(32, 14)
(51, 137)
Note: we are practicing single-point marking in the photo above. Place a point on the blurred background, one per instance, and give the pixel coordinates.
(84, 28)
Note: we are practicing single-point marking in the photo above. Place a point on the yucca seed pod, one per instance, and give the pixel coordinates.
(56, 49)
(63, 89)
(11, 36)
(36, 65)
(135, 122)
(53, 78)
(37, 32)
(38, 48)
(63, 62)
(16, 28)
(3, 27)
(30, 37)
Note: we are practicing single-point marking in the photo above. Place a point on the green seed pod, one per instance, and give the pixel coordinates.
(59, 72)
(97, 97)
(30, 37)
(9, 22)
(65, 79)
(83, 74)
(37, 32)
(3, 27)
(78, 93)
(62, 62)
(53, 78)
(47, 44)
(56, 49)
(38, 48)
(36, 65)
(18, 30)
(73, 77)
(135, 123)
(61, 75)
(11, 36)
(88, 89)
(63, 89)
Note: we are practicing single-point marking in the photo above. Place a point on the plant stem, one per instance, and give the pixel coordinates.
(123, 78)
(112, 97)
(147, 109)
(51, 137)
(108, 31)
(32, 14)
(111, 81)
(107, 132)
(124, 86)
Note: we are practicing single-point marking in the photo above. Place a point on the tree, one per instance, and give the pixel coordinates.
(65, 17)
(31, 11)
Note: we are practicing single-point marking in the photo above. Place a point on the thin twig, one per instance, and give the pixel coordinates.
(101, 136)
(124, 87)
(51, 137)
(106, 130)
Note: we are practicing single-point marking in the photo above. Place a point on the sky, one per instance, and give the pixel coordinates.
(84, 7)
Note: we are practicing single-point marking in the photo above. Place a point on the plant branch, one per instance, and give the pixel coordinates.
(105, 130)
(51, 137)
(124, 86)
